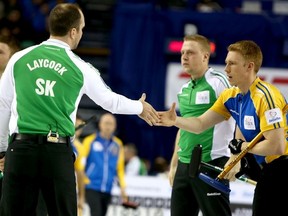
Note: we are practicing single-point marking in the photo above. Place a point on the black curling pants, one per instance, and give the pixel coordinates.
(31, 166)
(271, 189)
(189, 195)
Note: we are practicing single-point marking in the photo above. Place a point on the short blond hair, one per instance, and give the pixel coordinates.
(250, 51)
(200, 39)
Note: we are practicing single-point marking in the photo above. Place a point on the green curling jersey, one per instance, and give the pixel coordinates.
(42, 86)
(195, 97)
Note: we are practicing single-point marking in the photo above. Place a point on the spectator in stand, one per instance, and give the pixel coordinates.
(36, 12)
(134, 166)
(13, 23)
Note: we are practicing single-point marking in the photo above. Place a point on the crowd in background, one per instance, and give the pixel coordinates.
(26, 19)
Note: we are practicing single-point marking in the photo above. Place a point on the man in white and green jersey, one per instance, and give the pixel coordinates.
(40, 90)
(189, 195)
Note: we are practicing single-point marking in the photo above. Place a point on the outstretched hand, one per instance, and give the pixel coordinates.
(149, 114)
(168, 118)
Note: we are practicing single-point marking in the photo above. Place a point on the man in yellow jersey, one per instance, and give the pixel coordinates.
(102, 157)
(257, 107)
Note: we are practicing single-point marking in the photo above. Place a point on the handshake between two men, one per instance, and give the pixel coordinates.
(191, 124)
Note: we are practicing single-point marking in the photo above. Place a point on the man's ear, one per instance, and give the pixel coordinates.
(73, 32)
(251, 65)
(206, 56)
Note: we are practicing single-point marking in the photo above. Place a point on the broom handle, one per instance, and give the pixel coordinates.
(80, 211)
(94, 117)
(239, 156)
(247, 180)
(220, 169)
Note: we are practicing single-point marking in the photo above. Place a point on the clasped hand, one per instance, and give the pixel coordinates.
(168, 118)
(149, 114)
(152, 117)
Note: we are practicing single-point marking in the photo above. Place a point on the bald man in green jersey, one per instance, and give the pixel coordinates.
(189, 195)
(40, 91)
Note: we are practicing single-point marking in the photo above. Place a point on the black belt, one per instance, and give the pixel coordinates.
(37, 138)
